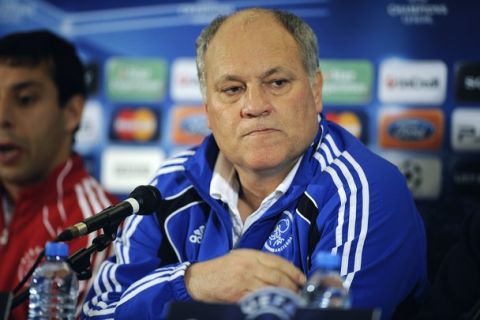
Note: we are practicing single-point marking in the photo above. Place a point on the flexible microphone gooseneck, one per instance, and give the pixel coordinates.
(142, 200)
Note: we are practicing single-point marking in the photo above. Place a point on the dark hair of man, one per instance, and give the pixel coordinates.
(32, 49)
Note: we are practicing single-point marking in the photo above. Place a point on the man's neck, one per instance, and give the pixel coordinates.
(8, 193)
(255, 188)
(14, 190)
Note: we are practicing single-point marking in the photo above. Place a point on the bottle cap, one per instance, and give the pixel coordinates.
(327, 260)
(56, 249)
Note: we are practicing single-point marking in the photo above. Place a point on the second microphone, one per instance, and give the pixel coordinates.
(142, 200)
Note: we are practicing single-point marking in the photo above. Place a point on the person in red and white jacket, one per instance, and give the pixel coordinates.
(44, 186)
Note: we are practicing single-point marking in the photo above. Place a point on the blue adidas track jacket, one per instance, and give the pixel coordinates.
(344, 197)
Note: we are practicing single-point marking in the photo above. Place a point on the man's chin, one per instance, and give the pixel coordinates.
(15, 176)
(269, 165)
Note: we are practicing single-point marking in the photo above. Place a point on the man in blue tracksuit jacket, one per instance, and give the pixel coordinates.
(274, 184)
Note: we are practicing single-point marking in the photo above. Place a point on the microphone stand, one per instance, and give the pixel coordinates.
(80, 260)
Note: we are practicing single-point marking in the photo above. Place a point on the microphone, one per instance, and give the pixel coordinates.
(142, 200)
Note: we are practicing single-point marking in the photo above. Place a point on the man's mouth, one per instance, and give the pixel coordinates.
(9, 152)
(7, 147)
(260, 131)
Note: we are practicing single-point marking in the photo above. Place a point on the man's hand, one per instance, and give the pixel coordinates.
(230, 277)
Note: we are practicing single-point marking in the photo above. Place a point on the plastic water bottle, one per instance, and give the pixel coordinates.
(54, 286)
(325, 288)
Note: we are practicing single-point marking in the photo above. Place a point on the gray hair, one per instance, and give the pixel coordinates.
(299, 29)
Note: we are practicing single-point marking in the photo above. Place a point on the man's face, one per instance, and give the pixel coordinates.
(35, 133)
(260, 104)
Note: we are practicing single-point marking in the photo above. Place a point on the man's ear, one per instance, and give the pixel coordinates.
(205, 106)
(317, 91)
(72, 112)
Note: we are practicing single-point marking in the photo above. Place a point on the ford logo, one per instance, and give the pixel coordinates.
(195, 124)
(411, 129)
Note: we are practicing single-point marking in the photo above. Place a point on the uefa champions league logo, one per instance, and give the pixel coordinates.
(270, 303)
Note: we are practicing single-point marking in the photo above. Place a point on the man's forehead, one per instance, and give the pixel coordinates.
(248, 18)
(23, 76)
(237, 37)
(251, 15)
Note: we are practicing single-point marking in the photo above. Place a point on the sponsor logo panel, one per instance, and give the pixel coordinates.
(467, 82)
(466, 177)
(423, 174)
(466, 129)
(355, 122)
(92, 77)
(136, 80)
(411, 128)
(91, 164)
(184, 82)
(347, 81)
(189, 125)
(124, 168)
(138, 124)
(403, 81)
(91, 126)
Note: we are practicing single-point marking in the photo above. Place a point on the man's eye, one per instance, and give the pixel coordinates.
(232, 90)
(279, 83)
(26, 100)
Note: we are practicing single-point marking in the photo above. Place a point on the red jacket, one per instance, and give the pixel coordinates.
(43, 210)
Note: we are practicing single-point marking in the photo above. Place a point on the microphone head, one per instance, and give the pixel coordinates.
(148, 198)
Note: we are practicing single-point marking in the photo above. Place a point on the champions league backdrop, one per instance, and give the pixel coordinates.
(401, 75)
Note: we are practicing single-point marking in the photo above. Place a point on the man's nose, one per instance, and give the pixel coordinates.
(5, 112)
(257, 102)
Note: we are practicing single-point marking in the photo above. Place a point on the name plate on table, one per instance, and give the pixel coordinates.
(207, 311)
(337, 314)
(203, 311)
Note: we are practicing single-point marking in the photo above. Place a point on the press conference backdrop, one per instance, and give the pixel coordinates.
(401, 75)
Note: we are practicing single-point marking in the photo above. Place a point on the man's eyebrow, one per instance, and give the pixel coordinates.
(274, 70)
(228, 77)
(269, 72)
(25, 85)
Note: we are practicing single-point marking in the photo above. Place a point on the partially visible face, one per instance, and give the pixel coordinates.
(35, 133)
(261, 106)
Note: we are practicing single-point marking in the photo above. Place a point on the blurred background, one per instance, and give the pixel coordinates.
(401, 75)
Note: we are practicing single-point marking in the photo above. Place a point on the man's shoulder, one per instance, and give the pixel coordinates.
(361, 157)
(346, 166)
(170, 178)
(77, 182)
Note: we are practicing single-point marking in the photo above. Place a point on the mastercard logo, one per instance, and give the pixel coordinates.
(135, 124)
(348, 120)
